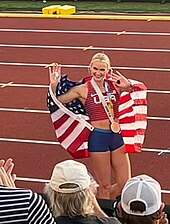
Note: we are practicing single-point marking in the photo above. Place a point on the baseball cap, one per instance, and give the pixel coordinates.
(143, 189)
(70, 172)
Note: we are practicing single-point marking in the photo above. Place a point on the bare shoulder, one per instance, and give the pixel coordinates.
(81, 91)
(82, 86)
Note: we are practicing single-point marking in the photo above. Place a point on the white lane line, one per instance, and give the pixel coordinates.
(159, 118)
(25, 85)
(29, 141)
(84, 66)
(84, 47)
(29, 179)
(24, 110)
(47, 112)
(88, 48)
(40, 65)
(6, 84)
(57, 143)
(159, 91)
(143, 69)
(165, 191)
(158, 151)
(121, 32)
(87, 32)
(46, 86)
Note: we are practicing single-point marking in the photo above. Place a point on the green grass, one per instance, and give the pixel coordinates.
(29, 5)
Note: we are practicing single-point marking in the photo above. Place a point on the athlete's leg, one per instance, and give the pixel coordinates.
(100, 159)
(122, 169)
(102, 170)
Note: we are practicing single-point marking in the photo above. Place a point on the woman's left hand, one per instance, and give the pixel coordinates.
(120, 82)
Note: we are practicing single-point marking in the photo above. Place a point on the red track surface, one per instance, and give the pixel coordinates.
(37, 160)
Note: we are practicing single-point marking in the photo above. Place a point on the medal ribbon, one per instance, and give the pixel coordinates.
(105, 105)
(110, 104)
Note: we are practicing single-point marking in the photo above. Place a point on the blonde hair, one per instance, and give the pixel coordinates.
(70, 204)
(100, 57)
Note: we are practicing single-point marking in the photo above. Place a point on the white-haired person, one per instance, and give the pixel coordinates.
(100, 96)
(71, 195)
(141, 202)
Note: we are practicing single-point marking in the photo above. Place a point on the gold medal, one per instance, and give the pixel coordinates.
(115, 127)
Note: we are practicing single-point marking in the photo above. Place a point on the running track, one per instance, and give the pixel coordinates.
(140, 49)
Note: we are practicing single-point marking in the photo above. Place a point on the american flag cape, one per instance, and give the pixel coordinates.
(72, 125)
(133, 116)
(70, 121)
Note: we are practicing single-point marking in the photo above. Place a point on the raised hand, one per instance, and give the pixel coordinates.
(120, 82)
(54, 73)
(6, 176)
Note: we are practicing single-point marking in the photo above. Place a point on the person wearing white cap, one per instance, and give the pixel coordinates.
(141, 201)
(71, 195)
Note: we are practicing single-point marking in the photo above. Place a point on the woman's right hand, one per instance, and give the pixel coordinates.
(54, 73)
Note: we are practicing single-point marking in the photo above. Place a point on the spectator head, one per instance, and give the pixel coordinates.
(141, 200)
(70, 189)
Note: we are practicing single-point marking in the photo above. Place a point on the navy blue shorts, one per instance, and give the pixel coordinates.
(101, 140)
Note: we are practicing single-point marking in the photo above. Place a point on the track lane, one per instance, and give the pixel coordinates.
(91, 24)
(38, 126)
(28, 98)
(38, 75)
(33, 126)
(157, 102)
(119, 58)
(103, 40)
(41, 157)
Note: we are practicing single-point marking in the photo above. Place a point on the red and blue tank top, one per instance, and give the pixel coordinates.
(94, 106)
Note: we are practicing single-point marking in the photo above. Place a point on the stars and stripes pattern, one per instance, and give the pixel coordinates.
(72, 127)
(133, 116)
(70, 121)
